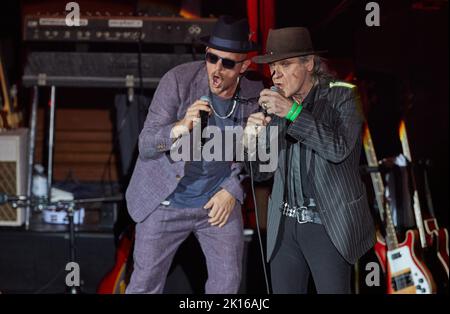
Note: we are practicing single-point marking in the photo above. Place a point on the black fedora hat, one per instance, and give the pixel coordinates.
(288, 42)
(230, 35)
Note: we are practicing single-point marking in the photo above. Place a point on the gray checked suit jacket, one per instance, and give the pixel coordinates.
(331, 132)
(155, 175)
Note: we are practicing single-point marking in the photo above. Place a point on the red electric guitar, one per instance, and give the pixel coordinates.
(405, 271)
(438, 237)
(434, 240)
(115, 282)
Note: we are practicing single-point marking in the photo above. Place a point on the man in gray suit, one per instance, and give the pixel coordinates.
(319, 221)
(169, 199)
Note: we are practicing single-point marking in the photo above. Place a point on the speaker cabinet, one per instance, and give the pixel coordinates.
(13, 173)
(35, 261)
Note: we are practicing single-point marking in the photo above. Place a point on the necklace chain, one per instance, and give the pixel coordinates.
(234, 102)
(226, 116)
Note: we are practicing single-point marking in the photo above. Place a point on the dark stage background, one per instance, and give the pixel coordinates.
(401, 67)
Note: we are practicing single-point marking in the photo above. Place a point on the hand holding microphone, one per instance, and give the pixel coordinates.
(273, 102)
(192, 117)
(264, 105)
(204, 118)
(255, 123)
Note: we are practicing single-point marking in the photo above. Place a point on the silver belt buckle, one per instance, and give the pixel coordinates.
(304, 215)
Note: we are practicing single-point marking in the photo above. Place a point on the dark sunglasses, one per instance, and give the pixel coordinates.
(226, 63)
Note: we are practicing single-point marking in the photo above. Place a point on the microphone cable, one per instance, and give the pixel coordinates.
(258, 231)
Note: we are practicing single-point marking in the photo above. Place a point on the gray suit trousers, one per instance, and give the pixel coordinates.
(159, 236)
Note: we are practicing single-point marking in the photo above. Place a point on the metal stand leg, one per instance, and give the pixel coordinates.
(70, 215)
(31, 149)
(51, 141)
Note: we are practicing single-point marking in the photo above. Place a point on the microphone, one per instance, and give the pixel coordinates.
(204, 118)
(5, 198)
(274, 89)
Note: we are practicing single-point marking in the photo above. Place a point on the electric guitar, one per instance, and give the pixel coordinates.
(115, 281)
(4, 101)
(438, 236)
(9, 118)
(434, 240)
(405, 271)
(416, 202)
(3, 114)
(377, 180)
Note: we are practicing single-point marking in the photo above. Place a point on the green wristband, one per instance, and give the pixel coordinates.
(293, 108)
(296, 113)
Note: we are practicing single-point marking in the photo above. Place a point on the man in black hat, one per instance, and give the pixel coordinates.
(169, 199)
(319, 221)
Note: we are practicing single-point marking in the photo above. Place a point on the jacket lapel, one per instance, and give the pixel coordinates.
(320, 100)
(246, 92)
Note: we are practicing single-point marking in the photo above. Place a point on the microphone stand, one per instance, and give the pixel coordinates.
(70, 209)
(69, 206)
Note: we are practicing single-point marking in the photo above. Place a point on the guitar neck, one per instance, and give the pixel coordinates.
(378, 186)
(391, 235)
(416, 202)
(428, 192)
(10, 120)
(4, 88)
(372, 161)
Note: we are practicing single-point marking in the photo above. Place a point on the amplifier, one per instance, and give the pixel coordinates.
(99, 69)
(13, 173)
(160, 30)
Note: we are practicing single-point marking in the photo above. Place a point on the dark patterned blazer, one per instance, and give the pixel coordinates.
(331, 132)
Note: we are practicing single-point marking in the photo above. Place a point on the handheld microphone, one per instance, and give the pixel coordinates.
(204, 118)
(274, 89)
